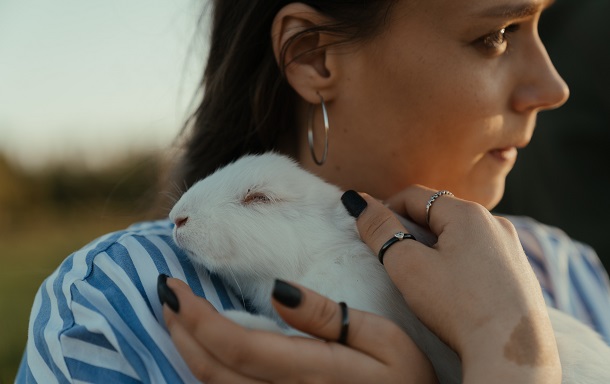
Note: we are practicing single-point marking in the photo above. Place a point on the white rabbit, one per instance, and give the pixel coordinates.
(263, 217)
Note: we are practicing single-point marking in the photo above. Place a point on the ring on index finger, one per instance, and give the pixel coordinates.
(432, 200)
(396, 238)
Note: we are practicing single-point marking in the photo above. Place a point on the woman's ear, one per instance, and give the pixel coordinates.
(307, 65)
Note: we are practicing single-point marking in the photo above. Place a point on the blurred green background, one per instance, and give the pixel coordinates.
(47, 214)
(90, 93)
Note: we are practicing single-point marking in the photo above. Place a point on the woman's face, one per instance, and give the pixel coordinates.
(444, 97)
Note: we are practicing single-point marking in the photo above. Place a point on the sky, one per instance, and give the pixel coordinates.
(89, 80)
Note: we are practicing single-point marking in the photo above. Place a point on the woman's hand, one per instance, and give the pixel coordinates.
(474, 288)
(220, 351)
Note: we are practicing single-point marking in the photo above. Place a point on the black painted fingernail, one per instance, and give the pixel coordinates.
(353, 202)
(166, 295)
(286, 294)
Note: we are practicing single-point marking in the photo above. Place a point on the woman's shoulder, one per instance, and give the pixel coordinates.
(553, 250)
(526, 224)
(145, 242)
(571, 275)
(103, 300)
(130, 252)
(133, 258)
(542, 242)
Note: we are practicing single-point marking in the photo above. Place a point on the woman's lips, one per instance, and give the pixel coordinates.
(508, 154)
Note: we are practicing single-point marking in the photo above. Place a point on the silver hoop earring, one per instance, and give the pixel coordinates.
(310, 131)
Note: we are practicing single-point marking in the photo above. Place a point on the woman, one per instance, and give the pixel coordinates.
(437, 93)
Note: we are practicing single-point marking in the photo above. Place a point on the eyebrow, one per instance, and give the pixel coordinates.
(516, 11)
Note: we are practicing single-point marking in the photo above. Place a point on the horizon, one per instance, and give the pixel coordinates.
(88, 81)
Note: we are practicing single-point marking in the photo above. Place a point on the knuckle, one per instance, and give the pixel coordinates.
(375, 224)
(504, 222)
(475, 209)
(507, 225)
(189, 320)
(203, 373)
(170, 322)
(324, 316)
(394, 332)
(318, 378)
(385, 329)
(472, 212)
(235, 352)
(204, 370)
(236, 355)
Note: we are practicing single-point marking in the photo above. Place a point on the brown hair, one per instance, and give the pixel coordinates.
(247, 102)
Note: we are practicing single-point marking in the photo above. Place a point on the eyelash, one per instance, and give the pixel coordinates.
(495, 42)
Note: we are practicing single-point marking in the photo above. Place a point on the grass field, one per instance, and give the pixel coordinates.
(28, 254)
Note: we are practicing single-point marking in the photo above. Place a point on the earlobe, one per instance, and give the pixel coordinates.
(303, 56)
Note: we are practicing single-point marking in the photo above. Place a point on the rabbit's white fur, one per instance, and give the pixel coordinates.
(263, 218)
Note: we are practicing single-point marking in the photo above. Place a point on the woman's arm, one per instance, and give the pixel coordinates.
(98, 317)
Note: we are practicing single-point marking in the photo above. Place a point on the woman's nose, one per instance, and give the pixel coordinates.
(540, 87)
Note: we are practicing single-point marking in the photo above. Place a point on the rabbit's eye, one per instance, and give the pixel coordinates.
(255, 197)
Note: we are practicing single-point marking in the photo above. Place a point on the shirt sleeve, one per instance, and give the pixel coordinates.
(571, 275)
(98, 318)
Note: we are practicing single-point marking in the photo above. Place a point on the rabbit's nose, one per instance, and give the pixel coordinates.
(180, 221)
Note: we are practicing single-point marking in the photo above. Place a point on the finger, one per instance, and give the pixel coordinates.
(263, 355)
(319, 316)
(203, 365)
(407, 262)
(413, 200)
(377, 225)
(409, 265)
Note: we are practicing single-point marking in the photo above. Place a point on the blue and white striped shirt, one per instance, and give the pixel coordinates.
(98, 317)
(570, 273)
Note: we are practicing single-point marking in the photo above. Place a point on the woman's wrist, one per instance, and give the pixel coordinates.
(517, 349)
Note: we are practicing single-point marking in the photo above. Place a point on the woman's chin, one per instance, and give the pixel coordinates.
(488, 196)
(493, 197)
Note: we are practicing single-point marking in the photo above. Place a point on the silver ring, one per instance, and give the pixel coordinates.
(432, 199)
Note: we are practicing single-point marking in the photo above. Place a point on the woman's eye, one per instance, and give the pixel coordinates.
(496, 42)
